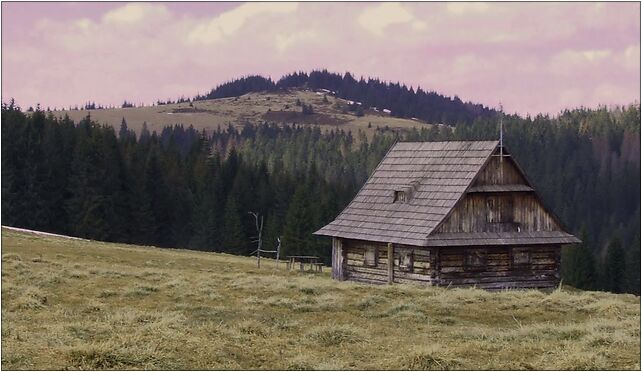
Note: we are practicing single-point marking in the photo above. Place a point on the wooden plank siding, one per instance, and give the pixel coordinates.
(498, 212)
(498, 172)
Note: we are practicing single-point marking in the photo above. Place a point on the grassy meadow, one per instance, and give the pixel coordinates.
(252, 107)
(71, 304)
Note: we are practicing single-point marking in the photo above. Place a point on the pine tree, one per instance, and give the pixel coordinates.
(578, 265)
(614, 280)
(206, 217)
(633, 267)
(234, 240)
(297, 227)
(144, 134)
(124, 131)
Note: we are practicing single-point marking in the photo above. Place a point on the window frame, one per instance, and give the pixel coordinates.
(515, 251)
(399, 196)
(409, 256)
(478, 265)
(375, 257)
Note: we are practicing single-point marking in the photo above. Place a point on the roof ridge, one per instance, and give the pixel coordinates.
(458, 141)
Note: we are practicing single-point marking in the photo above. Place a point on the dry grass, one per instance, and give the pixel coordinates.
(90, 305)
(252, 107)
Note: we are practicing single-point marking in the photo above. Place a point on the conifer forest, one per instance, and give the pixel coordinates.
(188, 189)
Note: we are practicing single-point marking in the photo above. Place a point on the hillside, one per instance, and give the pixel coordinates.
(278, 107)
(72, 304)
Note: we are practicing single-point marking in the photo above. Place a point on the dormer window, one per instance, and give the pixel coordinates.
(400, 197)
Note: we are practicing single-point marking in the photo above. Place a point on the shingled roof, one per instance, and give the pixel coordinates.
(435, 174)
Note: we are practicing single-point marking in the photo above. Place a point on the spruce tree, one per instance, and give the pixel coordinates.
(615, 266)
(297, 228)
(633, 267)
(234, 240)
(578, 264)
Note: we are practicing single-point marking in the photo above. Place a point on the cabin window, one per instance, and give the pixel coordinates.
(507, 210)
(475, 259)
(400, 197)
(406, 260)
(491, 212)
(371, 257)
(521, 256)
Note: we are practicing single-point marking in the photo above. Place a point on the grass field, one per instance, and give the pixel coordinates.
(253, 107)
(69, 304)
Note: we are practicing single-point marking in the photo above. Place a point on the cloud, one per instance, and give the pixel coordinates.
(534, 57)
(568, 61)
(631, 57)
(135, 12)
(467, 7)
(377, 19)
(229, 22)
(285, 41)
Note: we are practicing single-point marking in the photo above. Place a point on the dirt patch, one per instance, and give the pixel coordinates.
(188, 110)
(300, 118)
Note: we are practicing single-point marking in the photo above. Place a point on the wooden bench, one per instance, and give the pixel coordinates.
(312, 261)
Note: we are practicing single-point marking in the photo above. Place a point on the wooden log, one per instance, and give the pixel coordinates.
(366, 270)
(497, 268)
(412, 276)
(390, 263)
(504, 285)
(508, 279)
(367, 278)
(413, 281)
(338, 261)
(498, 274)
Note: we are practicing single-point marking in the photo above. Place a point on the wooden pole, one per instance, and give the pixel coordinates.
(278, 251)
(258, 251)
(501, 143)
(259, 229)
(391, 262)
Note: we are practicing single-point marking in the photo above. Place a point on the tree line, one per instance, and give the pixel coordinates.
(402, 101)
(189, 189)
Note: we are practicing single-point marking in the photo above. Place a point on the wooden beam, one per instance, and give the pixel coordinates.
(337, 259)
(391, 263)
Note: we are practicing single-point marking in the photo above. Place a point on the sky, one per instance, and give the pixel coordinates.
(532, 57)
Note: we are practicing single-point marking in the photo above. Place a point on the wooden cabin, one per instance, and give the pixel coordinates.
(448, 214)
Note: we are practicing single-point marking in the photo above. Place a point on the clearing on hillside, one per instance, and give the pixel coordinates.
(72, 304)
(278, 107)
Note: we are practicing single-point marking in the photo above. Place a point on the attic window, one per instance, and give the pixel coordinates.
(400, 197)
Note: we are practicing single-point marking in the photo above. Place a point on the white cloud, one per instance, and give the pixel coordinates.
(229, 22)
(135, 12)
(569, 61)
(467, 7)
(376, 19)
(631, 57)
(83, 24)
(595, 55)
(285, 41)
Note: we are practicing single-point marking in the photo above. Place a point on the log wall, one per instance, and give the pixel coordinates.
(447, 266)
(500, 271)
(354, 268)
